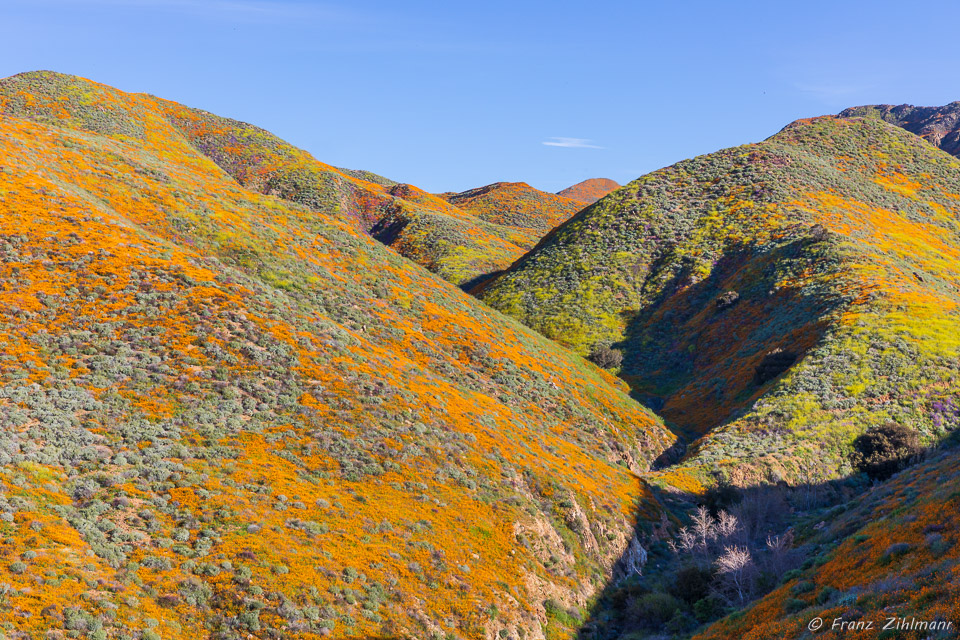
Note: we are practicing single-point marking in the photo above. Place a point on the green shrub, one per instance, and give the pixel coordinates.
(826, 594)
(556, 611)
(606, 357)
(937, 544)
(708, 609)
(894, 551)
(680, 622)
(793, 605)
(885, 449)
(804, 586)
(793, 574)
(692, 584)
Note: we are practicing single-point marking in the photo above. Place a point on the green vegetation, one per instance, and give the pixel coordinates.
(771, 301)
(459, 245)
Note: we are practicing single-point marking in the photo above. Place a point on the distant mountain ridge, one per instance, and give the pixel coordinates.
(589, 191)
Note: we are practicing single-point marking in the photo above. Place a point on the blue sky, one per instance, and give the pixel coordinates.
(452, 95)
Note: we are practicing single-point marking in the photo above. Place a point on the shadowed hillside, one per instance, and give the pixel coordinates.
(890, 556)
(226, 411)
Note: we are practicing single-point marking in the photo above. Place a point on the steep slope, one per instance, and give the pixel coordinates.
(940, 126)
(227, 414)
(450, 242)
(778, 297)
(589, 191)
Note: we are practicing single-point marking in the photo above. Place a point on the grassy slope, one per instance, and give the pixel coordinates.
(518, 206)
(448, 241)
(222, 412)
(841, 237)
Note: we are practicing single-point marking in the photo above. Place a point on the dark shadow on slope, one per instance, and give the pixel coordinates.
(475, 285)
(663, 597)
(388, 229)
(804, 522)
(694, 353)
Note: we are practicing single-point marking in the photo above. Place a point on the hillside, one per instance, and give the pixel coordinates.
(589, 191)
(445, 239)
(227, 411)
(940, 126)
(889, 557)
(771, 301)
(531, 213)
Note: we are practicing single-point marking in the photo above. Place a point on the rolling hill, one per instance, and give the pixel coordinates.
(523, 213)
(771, 301)
(227, 411)
(589, 191)
(451, 242)
(518, 206)
(243, 394)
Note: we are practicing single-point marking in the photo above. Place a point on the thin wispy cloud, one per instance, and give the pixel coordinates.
(571, 143)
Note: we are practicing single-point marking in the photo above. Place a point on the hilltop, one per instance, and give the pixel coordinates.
(772, 300)
(226, 410)
(589, 191)
(527, 213)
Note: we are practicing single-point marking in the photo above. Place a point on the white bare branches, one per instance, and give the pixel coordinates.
(727, 525)
(735, 567)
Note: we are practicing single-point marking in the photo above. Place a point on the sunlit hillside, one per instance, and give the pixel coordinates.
(771, 301)
(227, 411)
